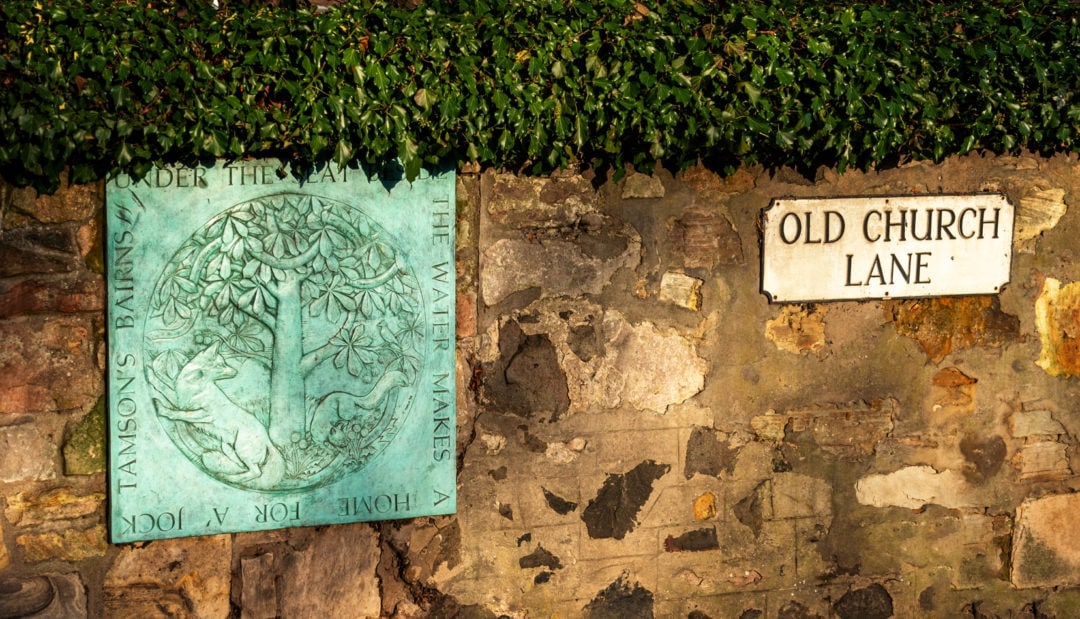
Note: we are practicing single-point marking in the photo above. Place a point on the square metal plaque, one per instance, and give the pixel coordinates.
(280, 354)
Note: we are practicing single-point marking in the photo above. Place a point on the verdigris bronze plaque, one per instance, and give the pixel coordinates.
(280, 353)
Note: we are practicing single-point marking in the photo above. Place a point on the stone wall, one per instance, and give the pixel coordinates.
(640, 432)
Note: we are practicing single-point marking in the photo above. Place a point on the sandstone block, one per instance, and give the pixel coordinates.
(1039, 211)
(638, 185)
(69, 203)
(943, 325)
(68, 545)
(1042, 460)
(37, 250)
(64, 295)
(797, 330)
(259, 597)
(27, 450)
(1057, 320)
(334, 576)
(28, 509)
(187, 577)
(681, 289)
(1046, 542)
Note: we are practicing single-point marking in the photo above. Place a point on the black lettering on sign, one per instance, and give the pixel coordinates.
(440, 496)
(277, 512)
(379, 504)
(441, 220)
(126, 423)
(145, 524)
(220, 514)
(911, 269)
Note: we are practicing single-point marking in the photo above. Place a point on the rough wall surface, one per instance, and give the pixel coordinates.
(641, 434)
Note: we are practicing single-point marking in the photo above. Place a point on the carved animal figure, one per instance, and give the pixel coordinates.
(242, 451)
(338, 406)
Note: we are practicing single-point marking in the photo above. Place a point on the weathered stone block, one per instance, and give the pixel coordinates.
(63, 295)
(37, 250)
(334, 575)
(48, 364)
(259, 597)
(1042, 460)
(528, 202)
(51, 596)
(943, 325)
(69, 203)
(1057, 319)
(681, 289)
(608, 362)
(84, 447)
(68, 545)
(638, 185)
(28, 450)
(558, 267)
(1046, 542)
(707, 181)
(186, 577)
(797, 330)
(28, 509)
(1038, 212)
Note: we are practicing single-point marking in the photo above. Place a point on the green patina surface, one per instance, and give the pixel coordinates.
(280, 353)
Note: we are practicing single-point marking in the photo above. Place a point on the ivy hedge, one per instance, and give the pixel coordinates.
(104, 86)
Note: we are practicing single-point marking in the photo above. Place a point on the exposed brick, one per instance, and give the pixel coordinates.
(706, 238)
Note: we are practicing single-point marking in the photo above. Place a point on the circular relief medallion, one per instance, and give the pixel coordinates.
(284, 339)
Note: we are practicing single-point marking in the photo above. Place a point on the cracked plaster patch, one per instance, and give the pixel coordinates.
(629, 362)
(914, 487)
